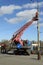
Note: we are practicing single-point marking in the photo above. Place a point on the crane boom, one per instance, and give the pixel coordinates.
(22, 29)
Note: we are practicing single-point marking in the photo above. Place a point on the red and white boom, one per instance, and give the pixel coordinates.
(19, 33)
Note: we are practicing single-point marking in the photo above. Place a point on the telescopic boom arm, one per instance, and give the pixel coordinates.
(19, 33)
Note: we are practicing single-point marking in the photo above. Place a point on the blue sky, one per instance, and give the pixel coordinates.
(15, 13)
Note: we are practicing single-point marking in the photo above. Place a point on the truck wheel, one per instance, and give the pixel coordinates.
(3, 50)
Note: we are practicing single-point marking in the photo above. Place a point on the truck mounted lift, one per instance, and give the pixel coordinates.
(18, 44)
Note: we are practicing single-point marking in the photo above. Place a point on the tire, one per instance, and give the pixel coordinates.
(3, 50)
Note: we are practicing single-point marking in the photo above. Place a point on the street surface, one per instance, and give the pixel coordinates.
(6, 59)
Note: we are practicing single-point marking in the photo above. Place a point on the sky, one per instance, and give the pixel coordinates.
(15, 13)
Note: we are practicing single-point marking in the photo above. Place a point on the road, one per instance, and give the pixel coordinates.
(20, 60)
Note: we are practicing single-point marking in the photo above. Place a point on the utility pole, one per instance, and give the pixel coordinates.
(38, 34)
(38, 40)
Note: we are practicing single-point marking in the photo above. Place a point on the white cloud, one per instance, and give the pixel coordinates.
(30, 5)
(27, 13)
(20, 16)
(8, 9)
(40, 4)
(14, 20)
(23, 15)
(33, 5)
